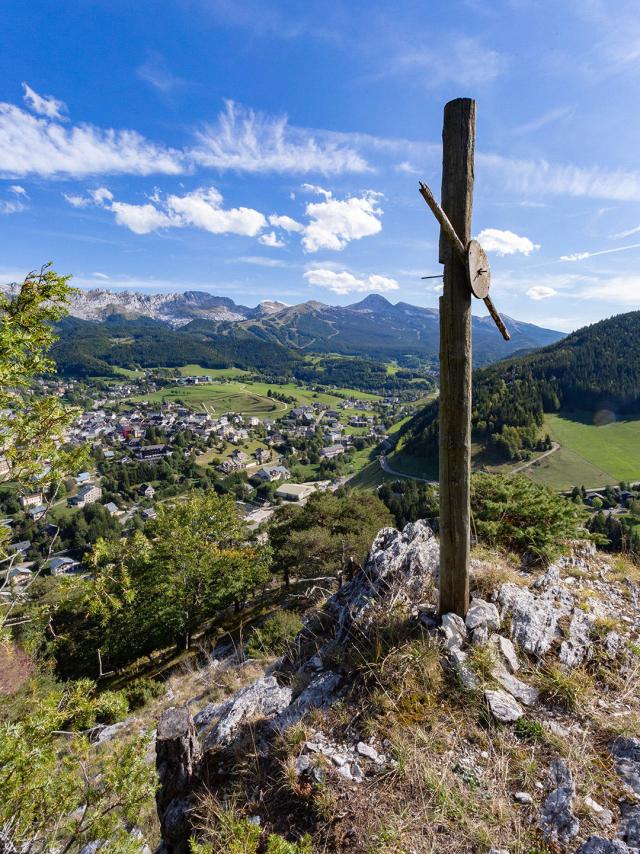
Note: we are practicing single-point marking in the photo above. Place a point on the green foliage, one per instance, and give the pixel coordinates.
(595, 367)
(32, 424)
(410, 500)
(277, 845)
(81, 707)
(528, 729)
(55, 793)
(143, 690)
(331, 534)
(155, 589)
(521, 516)
(274, 635)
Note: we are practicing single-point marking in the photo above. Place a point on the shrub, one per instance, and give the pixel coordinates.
(111, 706)
(273, 636)
(141, 691)
(80, 706)
(521, 516)
(529, 730)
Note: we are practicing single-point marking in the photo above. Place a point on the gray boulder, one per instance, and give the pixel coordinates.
(526, 694)
(599, 845)
(262, 698)
(626, 755)
(629, 827)
(482, 613)
(558, 822)
(503, 707)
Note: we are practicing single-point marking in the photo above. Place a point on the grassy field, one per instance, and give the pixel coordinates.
(249, 398)
(217, 373)
(589, 455)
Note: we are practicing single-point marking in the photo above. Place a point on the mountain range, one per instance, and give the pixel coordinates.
(373, 327)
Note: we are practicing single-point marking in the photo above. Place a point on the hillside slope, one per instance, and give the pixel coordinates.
(595, 368)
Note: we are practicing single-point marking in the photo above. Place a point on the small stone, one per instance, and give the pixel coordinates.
(598, 845)
(629, 827)
(523, 798)
(338, 759)
(604, 815)
(315, 663)
(255, 819)
(454, 630)
(366, 750)
(557, 820)
(509, 653)
(466, 675)
(356, 772)
(498, 851)
(626, 752)
(526, 694)
(503, 707)
(480, 635)
(344, 771)
(482, 613)
(303, 763)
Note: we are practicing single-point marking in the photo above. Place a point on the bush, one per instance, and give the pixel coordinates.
(273, 636)
(81, 707)
(143, 690)
(111, 706)
(521, 516)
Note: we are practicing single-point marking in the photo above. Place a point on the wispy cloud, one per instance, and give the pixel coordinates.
(44, 105)
(345, 283)
(32, 145)
(543, 120)
(531, 177)
(540, 292)
(462, 60)
(248, 141)
(155, 72)
(582, 256)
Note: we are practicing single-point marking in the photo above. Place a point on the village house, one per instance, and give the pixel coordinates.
(262, 455)
(32, 500)
(89, 494)
(63, 565)
(147, 491)
(149, 453)
(332, 451)
(271, 474)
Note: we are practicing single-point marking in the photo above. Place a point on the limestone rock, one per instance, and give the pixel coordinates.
(557, 819)
(318, 694)
(458, 660)
(526, 694)
(503, 707)
(629, 827)
(523, 798)
(603, 815)
(508, 652)
(482, 613)
(262, 698)
(599, 845)
(626, 753)
(366, 750)
(454, 631)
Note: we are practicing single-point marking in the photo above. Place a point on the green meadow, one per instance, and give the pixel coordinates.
(589, 455)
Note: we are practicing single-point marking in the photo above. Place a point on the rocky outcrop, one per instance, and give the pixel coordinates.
(179, 766)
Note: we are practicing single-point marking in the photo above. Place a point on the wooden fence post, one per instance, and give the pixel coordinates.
(458, 139)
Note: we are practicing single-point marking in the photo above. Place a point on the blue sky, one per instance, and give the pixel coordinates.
(271, 150)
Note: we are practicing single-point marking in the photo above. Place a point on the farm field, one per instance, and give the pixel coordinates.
(248, 398)
(589, 455)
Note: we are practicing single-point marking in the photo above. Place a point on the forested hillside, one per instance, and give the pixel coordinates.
(594, 368)
(87, 348)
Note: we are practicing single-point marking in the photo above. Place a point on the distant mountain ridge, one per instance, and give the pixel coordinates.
(373, 327)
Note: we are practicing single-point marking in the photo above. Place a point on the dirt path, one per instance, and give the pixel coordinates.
(384, 465)
(554, 447)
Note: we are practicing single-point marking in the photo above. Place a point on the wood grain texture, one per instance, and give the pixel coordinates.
(458, 143)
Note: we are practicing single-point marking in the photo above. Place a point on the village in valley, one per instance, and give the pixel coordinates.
(147, 443)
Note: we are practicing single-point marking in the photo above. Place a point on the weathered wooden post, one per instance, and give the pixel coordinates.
(466, 271)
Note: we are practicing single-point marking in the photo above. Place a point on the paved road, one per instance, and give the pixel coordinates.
(553, 449)
(384, 465)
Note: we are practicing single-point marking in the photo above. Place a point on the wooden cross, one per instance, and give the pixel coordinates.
(466, 272)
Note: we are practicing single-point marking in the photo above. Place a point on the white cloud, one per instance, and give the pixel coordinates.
(271, 239)
(100, 275)
(17, 190)
(540, 292)
(254, 142)
(505, 242)
(286, 223)
(581, 256)
(334, 223)
(407, 168)
(260, 261)
(155, 72)
(11, 207)
(44, 105)
(32, 145)
(624, 234)
(344, 282)
(77, 201)
(316, 190)
(203, 209)
(621, 290)
(141, 219)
